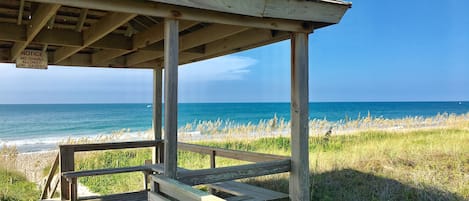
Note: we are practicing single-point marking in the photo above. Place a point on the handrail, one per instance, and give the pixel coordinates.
(214, 175)
(111, 145)
(47, 192)
(229, 153)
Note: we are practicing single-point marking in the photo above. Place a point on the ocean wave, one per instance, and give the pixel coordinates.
(39, 143)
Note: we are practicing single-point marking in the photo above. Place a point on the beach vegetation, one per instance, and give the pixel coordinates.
(429, 164)
(15, 187)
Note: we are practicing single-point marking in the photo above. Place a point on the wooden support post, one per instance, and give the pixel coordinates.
(146, 174)
(299, 175)
(73, 189)
(212, 165)
(212, 159)
(67, 158)
(171, 44)
(157, 91)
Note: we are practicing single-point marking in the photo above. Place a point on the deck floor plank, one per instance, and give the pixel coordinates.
(247, 191)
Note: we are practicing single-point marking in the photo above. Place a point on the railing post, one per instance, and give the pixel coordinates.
(212, 159)
(157, 94)
(46, 192)
(67, 163)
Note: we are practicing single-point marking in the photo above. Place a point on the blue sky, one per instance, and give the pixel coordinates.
(381, 51)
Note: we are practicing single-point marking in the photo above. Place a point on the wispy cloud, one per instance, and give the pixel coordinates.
(221, 68)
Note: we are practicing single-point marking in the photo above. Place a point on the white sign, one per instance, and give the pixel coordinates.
(36, 59)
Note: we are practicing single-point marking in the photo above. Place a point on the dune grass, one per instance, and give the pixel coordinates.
(15, 187)
(428, 164)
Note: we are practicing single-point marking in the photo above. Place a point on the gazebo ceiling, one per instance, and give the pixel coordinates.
(129, 33)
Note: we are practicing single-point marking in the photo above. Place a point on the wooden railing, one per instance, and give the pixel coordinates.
(67, 160)
(264, 164)
(52, 181)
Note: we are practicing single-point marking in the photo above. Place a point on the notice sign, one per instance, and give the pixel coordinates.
(36, 59)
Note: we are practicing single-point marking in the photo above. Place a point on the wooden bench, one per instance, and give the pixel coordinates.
(246, 192)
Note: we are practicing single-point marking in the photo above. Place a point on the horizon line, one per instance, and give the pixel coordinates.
(247, 102)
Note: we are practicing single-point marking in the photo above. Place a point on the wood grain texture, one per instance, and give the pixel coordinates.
(47, 186)
(171, 61)
(208, 176)
(299, 174)
(322, 11)
(157, 111)
(181, 191)
(228, 153)
(110, 145)
(246, 190)
(67, 163)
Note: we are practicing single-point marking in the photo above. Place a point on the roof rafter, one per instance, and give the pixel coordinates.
(38, 20)
(152, 35)
(106, 25)
(194, 39)
(20, 12)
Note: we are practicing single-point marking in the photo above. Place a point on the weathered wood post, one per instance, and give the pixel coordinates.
(67, 163)
(171, 61)
(157, 93)
(299, 174)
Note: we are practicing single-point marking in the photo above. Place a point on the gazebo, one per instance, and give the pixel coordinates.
(162, 34)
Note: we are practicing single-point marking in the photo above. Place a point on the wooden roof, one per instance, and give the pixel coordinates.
(129, 33)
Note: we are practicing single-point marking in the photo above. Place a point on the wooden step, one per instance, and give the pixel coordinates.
(245, 192)
(133, 196)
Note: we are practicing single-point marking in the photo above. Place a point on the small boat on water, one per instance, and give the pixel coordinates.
(148, 106)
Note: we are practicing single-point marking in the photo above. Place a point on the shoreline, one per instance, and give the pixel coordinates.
(213, 130)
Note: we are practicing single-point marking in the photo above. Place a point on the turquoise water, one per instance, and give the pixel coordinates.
(37, 127)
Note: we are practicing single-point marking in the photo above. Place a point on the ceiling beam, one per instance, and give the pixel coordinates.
(81, 19)
(152, 35)
(38, 20)
(242, 41)
(205, 35)
(106, 25)
(185, 13)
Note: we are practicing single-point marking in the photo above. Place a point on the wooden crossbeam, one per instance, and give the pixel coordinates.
(139, 40)
(39, 19)
(246, 40)
(196, 38)
(106, 25)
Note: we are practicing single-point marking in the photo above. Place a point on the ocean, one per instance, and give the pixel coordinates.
(39, 127)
